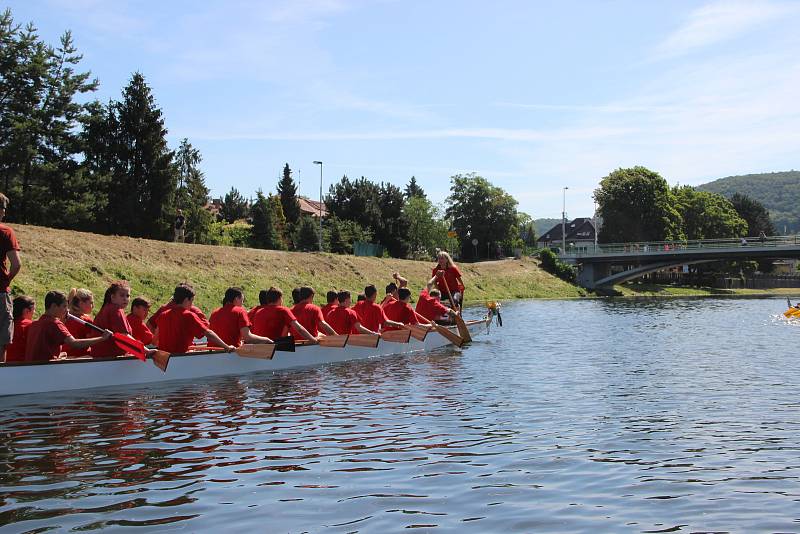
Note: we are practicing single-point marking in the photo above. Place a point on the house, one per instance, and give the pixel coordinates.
(312, 207)
(580, 235)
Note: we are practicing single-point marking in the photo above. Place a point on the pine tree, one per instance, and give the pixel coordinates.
(287, 190)
(234, 206)
(307, 236)
(414, 190)
(192, 193)
(264, 234)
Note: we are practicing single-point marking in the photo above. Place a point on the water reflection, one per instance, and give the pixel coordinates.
(577, 416)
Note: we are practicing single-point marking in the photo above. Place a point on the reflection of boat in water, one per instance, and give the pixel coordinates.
(39, 377)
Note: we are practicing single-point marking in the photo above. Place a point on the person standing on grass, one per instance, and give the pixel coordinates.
(180, 227)
(9, 250)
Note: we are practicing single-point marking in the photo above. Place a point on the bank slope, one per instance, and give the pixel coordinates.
(60, 259)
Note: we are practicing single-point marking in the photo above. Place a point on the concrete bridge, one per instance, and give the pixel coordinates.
(602, 266)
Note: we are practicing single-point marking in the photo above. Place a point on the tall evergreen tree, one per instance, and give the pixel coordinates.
(287, 191)
(234, 206)
(264, 232)
(307, 238)
(413, 189)
(393, 230)
(192, 193)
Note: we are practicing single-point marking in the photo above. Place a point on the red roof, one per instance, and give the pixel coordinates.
(312, 207)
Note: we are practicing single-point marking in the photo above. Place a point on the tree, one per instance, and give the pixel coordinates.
(341, 235)
(637, 204)
(357, 201)
(754, 212)
(142, 177)
(234, 206)
(707, 215)
(392, 232)
(307, 235)
(287, 191)
(414, 190)
(264, 231)
(192, 193)
(482, 211)
(281, 226)
(527, 229)
(424, 228)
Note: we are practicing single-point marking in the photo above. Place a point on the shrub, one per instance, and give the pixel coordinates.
(553, 265)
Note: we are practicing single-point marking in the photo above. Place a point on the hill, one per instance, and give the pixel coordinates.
(779, 192)
(60, 259)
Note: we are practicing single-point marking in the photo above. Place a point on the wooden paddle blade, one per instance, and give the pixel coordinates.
(336, 342)
(130, 345)
(160, 359)
(463, 331)
(396, 336)
(261, 351)
(285, 344)
(363, 340)
(419, 332)
(451, 336)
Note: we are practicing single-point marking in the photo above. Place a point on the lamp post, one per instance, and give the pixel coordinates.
(564, 222)
(320, 203)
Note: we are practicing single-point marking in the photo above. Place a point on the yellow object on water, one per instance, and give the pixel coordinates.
(491, 304)
(792, 312)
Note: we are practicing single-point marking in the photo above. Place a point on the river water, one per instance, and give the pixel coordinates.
(576, 416)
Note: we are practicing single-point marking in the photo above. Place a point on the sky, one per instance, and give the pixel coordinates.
(534, 96)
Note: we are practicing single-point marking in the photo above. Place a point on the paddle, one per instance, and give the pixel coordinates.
(262, 351)
(396, 336)
(363, 340)
(463, 331)
(123, 341)
(160, 359)
(336, 342)
(285, 344)
(418, 332)
(454, 338)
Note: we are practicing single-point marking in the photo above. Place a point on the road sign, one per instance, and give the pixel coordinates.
(452, 234)
(474, 241)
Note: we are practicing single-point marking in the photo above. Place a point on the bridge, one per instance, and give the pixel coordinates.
(602, 266)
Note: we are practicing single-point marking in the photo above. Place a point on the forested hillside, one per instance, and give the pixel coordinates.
(779, 192)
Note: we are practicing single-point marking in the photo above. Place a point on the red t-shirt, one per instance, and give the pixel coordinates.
(253, 311)
(388, 299)
(227, 322)
(452, 275)
(401, 312)
(272, 321)
(343, 320)
(78, 331)
(8, 242)
(308, 315)
(177, 328)
(45, 337)
(371, 315)
(429, 307)
(15, 351)
(152, 322)
(328, 308)
(111, 318)
(139, 330)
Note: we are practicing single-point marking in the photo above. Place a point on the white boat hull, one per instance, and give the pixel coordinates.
(19, 379)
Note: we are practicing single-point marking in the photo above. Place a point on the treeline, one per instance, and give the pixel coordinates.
(70, 162)
(637, 204)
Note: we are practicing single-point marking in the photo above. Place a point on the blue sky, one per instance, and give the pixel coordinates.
(534, 96)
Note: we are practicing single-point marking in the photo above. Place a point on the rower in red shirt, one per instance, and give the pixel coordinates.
(446, 271)
(429, 305)
(275, 319)
(344, 320)
(391, 288)
(152, 322)
(231, 322)
(179, 326)
(309, 315)
(262, 301)
(80, 303)
(400, 310)
(48, 333)
(140, 307)
(112, 317)
(333, 302)
(371, 314)
(24, 308)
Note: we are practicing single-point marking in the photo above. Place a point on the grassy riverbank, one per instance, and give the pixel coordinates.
(60, 259)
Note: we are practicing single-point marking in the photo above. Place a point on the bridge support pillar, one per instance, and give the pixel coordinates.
(589, 273)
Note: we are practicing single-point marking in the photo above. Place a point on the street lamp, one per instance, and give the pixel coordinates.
(320, 203)
(564, 222)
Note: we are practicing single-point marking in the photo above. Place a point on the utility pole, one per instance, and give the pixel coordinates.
(564, 222)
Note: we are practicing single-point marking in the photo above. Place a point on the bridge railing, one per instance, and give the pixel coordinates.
(667, 247)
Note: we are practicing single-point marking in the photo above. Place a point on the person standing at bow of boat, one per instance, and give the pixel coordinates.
(112, 317)
(448, 278)
(371, 314)
(333, 301)
(231, 322)
(275, 319)
(47, 334)
(9, 250)
(309, 315)
(400, 310)
(344, 320)
(179, 326)
(24, 308)
(80, 304)
(140, 307)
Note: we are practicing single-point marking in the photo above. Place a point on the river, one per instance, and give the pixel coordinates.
(575, 416)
